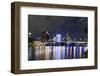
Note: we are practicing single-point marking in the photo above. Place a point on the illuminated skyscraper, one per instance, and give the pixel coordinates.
(58, 38)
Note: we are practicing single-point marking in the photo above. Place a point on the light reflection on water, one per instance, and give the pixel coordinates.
(56, 52)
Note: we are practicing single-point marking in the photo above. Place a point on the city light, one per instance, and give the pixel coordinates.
(58, 38)
(58, 48)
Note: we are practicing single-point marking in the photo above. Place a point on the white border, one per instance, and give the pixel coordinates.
(25, 64)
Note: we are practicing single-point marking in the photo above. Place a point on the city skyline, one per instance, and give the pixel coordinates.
(75, 26)
(57, 37)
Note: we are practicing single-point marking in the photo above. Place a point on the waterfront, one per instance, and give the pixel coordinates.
(55, 51)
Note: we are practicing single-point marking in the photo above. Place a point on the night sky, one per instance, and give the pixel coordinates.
(75, 26)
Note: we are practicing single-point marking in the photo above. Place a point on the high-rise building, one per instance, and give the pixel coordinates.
(45, 36)
(58, 38)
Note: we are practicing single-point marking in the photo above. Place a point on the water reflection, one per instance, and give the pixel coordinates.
(48, 51)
